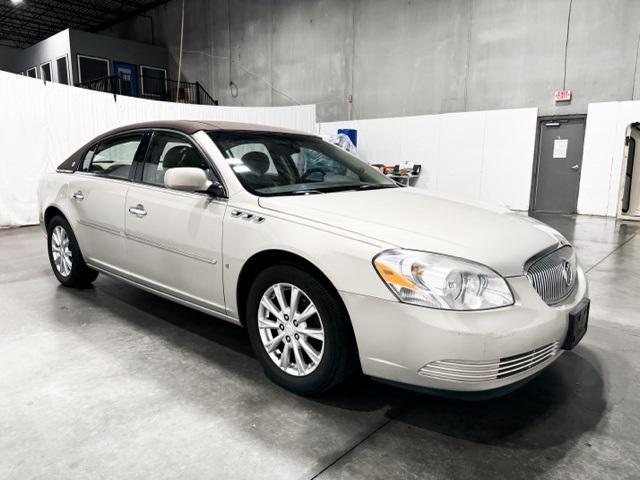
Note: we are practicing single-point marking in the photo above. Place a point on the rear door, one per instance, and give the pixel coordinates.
(98, 191)
(174, 238)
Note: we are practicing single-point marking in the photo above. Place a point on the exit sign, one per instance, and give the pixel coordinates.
(562, 95)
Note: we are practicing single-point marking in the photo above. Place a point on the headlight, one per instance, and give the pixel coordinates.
(440, 281)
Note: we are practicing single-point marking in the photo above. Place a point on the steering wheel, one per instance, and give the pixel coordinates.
(311, 171)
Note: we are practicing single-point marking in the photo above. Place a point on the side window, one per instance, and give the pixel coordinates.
(170, 150)
(113, 157)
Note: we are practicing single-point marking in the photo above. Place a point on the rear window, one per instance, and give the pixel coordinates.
(113, 157)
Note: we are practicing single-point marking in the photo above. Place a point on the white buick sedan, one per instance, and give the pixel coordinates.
(332, 267)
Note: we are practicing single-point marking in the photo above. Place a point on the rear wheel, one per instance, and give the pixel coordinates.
(299, 331)
(65, 256)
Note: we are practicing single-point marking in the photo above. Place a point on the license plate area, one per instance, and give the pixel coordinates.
(578, 320)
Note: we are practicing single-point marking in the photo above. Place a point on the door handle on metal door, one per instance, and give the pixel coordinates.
(575, 167)
(78, 195)
(138, 211)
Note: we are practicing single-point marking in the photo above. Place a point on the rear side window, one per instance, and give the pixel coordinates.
(113, 157)
(169, 150)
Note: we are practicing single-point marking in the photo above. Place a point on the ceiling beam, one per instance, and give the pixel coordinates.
(138, 11)
(34, 21)
(19, 28)
(77, 11)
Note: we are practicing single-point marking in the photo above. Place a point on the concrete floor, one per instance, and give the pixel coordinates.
(112, 382)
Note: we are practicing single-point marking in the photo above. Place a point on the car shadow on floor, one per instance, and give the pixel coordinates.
(558, 405)
(564, 401)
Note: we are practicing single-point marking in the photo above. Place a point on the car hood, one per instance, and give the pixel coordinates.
(413, 219)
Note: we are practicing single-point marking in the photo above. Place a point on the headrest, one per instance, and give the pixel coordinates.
(182, 156)
(258, 162)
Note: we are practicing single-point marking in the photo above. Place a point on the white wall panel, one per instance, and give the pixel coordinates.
(509, 144)
(597, 159)
(461, 144)
(600, 180)
(42, 124)
(478, 156)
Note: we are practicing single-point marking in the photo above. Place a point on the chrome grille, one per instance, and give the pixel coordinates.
(470, 371)
(554, 275)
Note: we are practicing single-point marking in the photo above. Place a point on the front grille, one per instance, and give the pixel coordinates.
(470, 371)
(554, 275)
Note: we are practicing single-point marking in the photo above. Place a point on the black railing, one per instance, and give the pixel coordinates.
(153, 88)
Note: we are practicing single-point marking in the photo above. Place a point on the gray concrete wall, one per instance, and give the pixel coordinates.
(403, 57)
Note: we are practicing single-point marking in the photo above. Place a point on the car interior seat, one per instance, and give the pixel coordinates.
(178, 156)
(258, 163)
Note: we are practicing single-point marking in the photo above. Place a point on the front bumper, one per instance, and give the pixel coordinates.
(406, 344)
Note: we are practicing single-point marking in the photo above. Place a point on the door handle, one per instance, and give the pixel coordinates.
(138, 211)
(78, 195)
(575, 168)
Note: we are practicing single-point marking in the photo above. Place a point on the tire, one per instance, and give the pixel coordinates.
(337, 350)
(61, 242)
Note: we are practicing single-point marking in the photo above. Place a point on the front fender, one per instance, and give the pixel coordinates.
(346, 261)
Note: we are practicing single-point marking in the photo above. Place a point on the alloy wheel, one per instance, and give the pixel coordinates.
(291, 329)
(62, 257)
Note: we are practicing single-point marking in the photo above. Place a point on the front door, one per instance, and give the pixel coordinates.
(127, 78)
(174, 238)
(559, 163)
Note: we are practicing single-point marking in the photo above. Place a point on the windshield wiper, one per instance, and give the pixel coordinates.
(342, 188)
(376, 186)
(305, 192)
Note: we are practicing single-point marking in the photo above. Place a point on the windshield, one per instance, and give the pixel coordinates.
(270, 164)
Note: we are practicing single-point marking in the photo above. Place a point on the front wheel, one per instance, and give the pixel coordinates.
(65, 256)
(299, 331)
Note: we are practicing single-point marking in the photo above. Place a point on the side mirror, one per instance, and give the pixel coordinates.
(187, 179)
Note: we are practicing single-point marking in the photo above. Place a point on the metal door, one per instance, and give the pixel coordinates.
(559, 164)
(127, 78)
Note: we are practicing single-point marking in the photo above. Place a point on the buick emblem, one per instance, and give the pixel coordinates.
(567, 273)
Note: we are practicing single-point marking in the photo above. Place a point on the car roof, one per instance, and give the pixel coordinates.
(192, 126)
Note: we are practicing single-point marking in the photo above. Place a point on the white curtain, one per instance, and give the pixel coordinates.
(42, 124)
